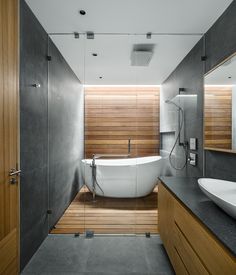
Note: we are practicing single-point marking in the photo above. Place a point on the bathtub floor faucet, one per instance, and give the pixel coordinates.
(129, 146)
(94, 172)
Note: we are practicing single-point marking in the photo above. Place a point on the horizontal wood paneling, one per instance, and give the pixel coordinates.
(114, 115)
(218, 117)
(110, 215)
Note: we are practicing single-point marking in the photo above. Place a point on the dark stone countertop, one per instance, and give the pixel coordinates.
(216, 220)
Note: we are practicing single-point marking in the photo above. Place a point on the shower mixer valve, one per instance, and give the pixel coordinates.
(192, 159)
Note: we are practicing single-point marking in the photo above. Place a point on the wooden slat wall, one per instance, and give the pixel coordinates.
(218, 117)
(114, 115)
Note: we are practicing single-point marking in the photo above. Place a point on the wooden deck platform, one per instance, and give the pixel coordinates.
(109, 215)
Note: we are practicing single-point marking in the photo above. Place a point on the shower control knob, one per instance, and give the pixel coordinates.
(192, 159)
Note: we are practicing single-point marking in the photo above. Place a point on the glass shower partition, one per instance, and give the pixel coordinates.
(147, 132)
(121, 126)
(120, 131)
(65, 119)
(110, 137)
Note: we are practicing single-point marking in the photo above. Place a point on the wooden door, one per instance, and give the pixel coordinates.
(9, 88)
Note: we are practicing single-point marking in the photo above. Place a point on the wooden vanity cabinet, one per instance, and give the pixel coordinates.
(191, 247)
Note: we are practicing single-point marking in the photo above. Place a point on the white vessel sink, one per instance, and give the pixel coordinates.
(221, 192)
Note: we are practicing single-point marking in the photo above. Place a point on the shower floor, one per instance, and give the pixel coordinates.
(109, 215)
(102, 255)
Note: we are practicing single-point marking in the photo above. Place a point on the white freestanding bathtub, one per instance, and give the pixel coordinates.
(123, 178)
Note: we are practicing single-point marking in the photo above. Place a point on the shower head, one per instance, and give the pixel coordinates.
(182, 98)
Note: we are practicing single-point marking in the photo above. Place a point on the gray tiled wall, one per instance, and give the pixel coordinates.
(220, 42)
(33, 135)
(66, 134)
(51, 134)
(188, 75)
(221, 38)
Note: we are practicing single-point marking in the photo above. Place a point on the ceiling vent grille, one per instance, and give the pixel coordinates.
(141, 54)
(141, 58)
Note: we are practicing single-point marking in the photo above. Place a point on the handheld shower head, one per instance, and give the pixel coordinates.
(168, 101)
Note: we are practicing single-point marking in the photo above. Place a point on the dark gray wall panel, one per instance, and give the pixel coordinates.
(188, 75)
(51, 145)
(221, 38)
(65, 133)
(33, 135)
(220, 42)
(34, 220)
(220, 165)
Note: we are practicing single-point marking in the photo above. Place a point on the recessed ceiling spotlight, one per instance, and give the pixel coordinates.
(82, 12)
(94, 54)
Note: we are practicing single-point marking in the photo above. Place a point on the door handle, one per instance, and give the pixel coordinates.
(14, 172)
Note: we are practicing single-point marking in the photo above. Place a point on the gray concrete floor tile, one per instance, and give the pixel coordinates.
(156, 256)
(119, 254)
(60, 254)
(106, 255)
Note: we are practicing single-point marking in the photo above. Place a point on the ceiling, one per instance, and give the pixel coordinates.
(119, 25)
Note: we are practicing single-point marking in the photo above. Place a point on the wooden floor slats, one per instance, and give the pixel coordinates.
(109, 215)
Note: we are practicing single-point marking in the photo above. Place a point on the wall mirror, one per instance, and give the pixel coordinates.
(220, 107)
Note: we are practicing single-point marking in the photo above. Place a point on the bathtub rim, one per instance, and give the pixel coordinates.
(124, 161)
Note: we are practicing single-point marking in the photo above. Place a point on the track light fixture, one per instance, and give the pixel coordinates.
(76, 35)
(90, 35)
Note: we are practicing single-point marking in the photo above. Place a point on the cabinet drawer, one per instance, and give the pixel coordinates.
(178, 264)
(187, 254)
(210, 252)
